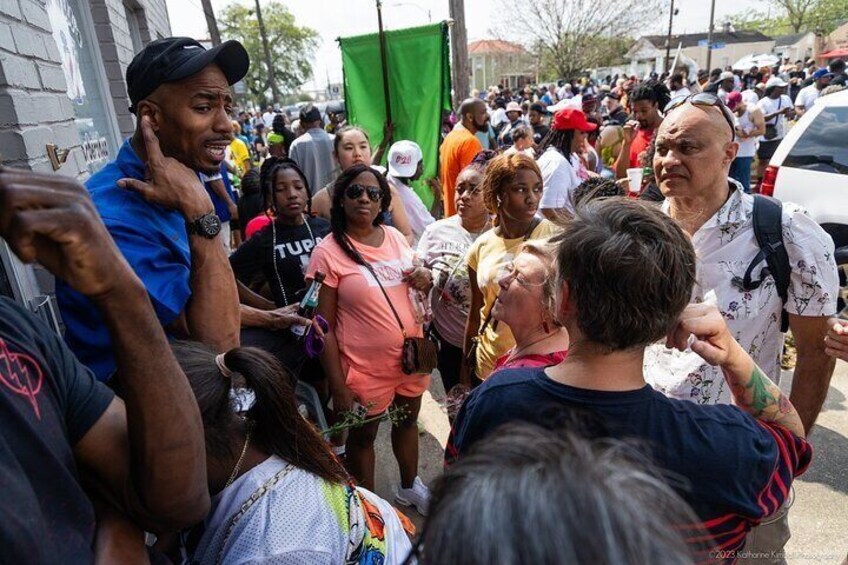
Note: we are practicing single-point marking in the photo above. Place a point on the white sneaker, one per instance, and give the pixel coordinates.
(417, 496)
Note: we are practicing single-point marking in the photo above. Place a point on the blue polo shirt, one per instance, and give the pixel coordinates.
(154, 241)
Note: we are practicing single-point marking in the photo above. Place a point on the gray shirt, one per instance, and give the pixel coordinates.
(313, 153)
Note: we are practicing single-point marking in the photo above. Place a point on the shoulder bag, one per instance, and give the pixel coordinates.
(420, 355)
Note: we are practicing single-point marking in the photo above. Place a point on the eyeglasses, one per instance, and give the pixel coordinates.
(703, 99)
(467, 187)
(354, 191)
(511, 272)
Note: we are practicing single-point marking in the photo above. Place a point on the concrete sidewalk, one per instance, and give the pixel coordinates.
(819, 516)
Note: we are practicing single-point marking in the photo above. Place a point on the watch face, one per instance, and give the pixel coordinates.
(210, 225)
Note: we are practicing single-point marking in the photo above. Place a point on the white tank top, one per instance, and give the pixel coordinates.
(747, 147)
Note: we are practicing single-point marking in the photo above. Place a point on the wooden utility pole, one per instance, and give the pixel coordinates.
(211, 23)
(710, 36)
(459, 42)
(668, 37)
(275, 93)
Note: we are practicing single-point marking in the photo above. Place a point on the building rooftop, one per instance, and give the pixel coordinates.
(787, 40)
(485, 46)
(692, 39)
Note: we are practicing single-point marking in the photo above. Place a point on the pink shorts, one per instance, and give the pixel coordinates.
(377, 392)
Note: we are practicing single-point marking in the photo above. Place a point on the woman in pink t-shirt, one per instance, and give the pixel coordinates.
(362, 357)
(526, 304)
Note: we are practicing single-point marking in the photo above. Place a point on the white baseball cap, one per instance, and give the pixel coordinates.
(725, 75)
(404, 157)
(776, 82)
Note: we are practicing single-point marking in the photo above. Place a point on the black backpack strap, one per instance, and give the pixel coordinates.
(768, 229)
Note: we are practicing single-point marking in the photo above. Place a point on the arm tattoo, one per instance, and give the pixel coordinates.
(760, 397)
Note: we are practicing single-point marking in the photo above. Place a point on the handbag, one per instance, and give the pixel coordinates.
(420, 355)
(471, 357)
(771, 129)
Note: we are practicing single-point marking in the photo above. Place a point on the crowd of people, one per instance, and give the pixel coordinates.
(613, 368)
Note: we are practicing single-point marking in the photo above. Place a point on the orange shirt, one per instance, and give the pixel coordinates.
(457, 151)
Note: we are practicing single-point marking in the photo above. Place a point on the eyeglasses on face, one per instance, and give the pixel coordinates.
(354, 191)
(703, 99)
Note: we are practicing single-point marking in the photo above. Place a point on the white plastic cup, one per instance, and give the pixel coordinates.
(634, 176)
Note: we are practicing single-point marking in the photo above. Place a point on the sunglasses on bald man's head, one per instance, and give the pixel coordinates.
(703, 99)
(354, 191)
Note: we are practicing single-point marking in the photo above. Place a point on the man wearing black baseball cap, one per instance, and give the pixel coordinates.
(313, 151)
(154, 204)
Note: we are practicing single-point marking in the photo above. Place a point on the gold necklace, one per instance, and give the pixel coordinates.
(236, 469)
(514, 355)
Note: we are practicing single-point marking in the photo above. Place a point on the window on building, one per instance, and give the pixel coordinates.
(85, 75)
(134, 17)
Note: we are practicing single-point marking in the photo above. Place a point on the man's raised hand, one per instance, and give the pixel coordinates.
(51, 219)
(169, 183)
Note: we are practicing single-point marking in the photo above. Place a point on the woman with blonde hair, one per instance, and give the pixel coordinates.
(526, 305)
(512, 189)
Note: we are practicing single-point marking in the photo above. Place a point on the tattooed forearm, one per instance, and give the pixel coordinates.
(757, 395)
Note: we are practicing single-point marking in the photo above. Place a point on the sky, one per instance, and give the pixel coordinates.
(335, 18)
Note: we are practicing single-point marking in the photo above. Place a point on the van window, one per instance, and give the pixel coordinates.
(822, 146)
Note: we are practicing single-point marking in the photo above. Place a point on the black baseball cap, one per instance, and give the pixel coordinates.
(175, 58)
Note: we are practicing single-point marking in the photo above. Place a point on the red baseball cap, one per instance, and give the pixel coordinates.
(572, 118)
(733, 99)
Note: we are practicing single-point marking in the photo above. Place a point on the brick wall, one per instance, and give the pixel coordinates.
(113, 34)
(34, 109)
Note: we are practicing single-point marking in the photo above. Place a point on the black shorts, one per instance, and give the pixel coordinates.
(767, 149)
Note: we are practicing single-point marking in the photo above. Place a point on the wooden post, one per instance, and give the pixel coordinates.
(459, 49)
(211, 23)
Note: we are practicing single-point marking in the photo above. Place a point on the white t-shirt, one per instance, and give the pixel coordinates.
(770, 106)
(442, 248)
(725, 246)
(419, 215)
(807, 97)
(560, 178)
(268, 119)
(301, 520)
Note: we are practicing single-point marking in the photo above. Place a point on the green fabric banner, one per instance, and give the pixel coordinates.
(418, 61)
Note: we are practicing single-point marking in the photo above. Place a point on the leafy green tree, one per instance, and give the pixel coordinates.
(784, 17)
(292, 47)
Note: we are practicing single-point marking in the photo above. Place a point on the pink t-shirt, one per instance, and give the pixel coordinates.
(256, 225)
(370, 340)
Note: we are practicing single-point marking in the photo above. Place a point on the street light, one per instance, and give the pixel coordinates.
(414, 5)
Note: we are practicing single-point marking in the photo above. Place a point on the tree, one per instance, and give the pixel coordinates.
(794, 16)
(574, 35)
(291, 47)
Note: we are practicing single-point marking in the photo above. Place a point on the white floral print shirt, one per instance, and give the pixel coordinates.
(725, 246)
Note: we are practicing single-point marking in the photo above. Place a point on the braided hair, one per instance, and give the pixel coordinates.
(559, 139)
(338, 220)
(268, 176)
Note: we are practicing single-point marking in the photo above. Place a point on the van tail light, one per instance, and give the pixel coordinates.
(769, 180)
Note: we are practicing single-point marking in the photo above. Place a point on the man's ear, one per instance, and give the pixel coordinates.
(152, 111)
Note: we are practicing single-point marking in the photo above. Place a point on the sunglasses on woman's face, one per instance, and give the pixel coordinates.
(354, 191)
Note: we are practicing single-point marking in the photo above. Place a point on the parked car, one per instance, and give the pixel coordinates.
(810, 168)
